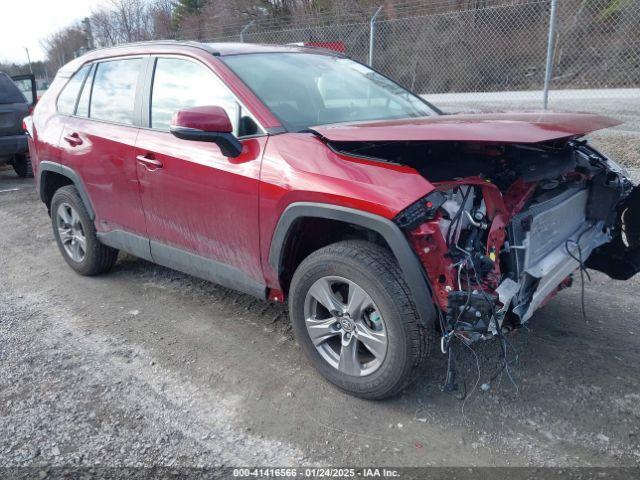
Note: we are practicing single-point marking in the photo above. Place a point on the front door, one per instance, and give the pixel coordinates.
(201, 207)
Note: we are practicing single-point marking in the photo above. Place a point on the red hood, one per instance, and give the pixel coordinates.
(517, 127)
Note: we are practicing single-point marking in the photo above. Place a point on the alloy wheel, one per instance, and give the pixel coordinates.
(71, 233)
(345, 326)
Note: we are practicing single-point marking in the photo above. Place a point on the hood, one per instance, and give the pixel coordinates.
(517, 127)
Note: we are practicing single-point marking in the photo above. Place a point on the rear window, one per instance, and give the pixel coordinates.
(114, 90)
(69, 95)
(9, 92)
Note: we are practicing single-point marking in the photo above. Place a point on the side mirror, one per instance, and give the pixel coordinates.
(206, 124)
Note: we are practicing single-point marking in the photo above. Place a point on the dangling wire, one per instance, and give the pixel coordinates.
(583, 269)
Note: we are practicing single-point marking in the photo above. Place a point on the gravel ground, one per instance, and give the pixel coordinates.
(147, 366)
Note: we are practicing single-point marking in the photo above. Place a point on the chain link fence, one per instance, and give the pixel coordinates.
(492, 51)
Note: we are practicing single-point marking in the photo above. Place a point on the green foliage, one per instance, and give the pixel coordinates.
(614, 7)
(187, 8)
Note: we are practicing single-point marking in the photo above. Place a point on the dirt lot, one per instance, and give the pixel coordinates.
(147, 366)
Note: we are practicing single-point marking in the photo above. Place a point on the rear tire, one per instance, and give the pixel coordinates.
(390, 342)
(75, 234)
(22, 166)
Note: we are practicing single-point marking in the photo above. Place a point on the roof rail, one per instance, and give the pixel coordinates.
(187, 43)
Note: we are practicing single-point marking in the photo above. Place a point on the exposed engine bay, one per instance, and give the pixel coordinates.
(509, 224)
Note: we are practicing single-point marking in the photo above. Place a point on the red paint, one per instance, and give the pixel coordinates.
(300, 168)
(202, 201)
(532, 127)
(335, 46)
(430, 245)
(276, 295)
(517, 195)
(207, 119)
(103, 155)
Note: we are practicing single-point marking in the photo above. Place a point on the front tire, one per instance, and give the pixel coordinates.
(353, 316)
(75, 234)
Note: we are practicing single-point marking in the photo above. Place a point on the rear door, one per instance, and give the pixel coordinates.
(196, 200)
(27, 85)
(98, 142)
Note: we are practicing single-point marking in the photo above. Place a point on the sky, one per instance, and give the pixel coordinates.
(23, 23)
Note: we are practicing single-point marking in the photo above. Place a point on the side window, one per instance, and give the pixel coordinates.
(9, 92)
(181, 83)
(82, 110)
(69, 95)
(114, 90)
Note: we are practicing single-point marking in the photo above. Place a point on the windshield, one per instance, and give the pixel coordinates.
(304, 89)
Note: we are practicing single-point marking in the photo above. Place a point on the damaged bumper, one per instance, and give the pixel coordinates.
(494, 256)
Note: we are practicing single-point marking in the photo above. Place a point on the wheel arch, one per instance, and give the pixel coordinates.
(52, 176)
(376, 226)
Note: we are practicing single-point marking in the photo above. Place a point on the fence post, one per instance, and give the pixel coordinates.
(245, 28)
(372, 34)
(550, 50)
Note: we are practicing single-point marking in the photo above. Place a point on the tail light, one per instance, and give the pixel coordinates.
(27, 125)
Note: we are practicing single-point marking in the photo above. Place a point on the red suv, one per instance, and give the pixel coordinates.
(296, 173)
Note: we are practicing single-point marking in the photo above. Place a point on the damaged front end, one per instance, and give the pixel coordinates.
(508, 224)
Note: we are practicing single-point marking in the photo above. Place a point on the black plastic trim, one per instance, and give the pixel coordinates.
(129, 242)
(184, 261)
(409, 263)
(48, 166)
(207, 269)
(228, 144)
(276, 130)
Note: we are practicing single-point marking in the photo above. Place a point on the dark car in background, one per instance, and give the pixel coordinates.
(14, 106)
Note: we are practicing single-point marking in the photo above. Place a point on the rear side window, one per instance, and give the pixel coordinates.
(25, 87)
(181, 83)
(9, 92)
(114, 90)
(69, 95)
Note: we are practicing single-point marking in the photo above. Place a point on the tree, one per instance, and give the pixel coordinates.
(186, 10)
(161, 12)
(62, 47)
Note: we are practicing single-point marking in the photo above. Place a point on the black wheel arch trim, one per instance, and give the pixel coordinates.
(48, 166)
(409, 263)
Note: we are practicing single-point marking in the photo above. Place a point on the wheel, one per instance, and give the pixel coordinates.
(22, 166)
(75, 234)
(353, 317)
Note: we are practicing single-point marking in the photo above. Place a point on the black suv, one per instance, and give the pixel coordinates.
(14, 106)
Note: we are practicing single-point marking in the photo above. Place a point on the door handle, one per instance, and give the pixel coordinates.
(149, 163)
(73, 139)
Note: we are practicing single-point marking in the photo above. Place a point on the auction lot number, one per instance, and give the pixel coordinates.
(315, 472)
